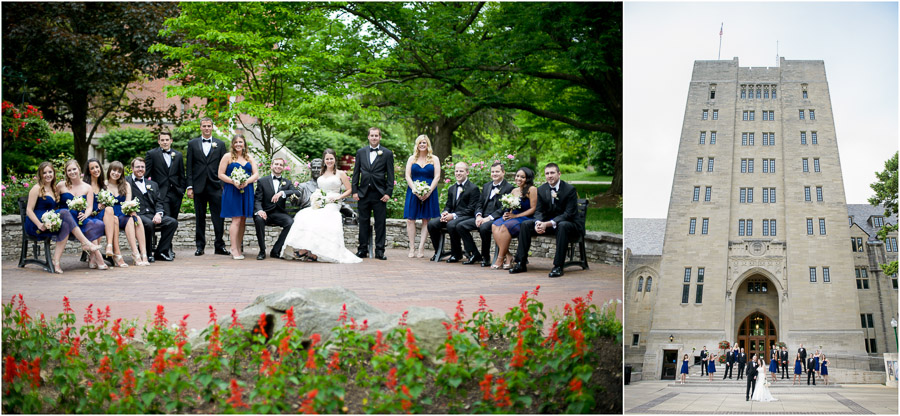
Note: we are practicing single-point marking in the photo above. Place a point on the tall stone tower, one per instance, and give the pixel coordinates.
(756, 240)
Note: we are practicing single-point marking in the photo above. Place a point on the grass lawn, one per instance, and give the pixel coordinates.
(585, 176)
(590, 191)
(607, 219)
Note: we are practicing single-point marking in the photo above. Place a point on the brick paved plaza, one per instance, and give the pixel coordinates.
(190, 284)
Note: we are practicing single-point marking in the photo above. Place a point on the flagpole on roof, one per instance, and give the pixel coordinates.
(720, 40)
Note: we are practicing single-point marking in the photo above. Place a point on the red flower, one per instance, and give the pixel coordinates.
(380, 347)
(73, 350)
(353, 325)
(67, 308)
(552, 337)
(64, 335)
(117, 326)
(311, 354)
(130, 333)
(159, 319)
(459, 317)
(525, 322)
(89, 314)
(575, 386)
(536, 290)
(404, 402)
(580, 308)
(449, 329)
(501, 396)
(343, 316)
(268, 367)
(34, 372)
(483, 335)
(485, 386)
(289, 318)
(127, 385)
(590, 296)
(159, 363)
(235, 399)
(215, 344)
(523, 300)
(411, 345)
(284, 347)
(104, 370)
(391, 382)
(234, 320)
(181, 333)
(578, 336)
(482, 305)
(307, 407)
(10, 370)
(450, 356)
(364, 326)
(519, 355)
(212, 315)
(402, 321)
(261, 326)
(334, 364)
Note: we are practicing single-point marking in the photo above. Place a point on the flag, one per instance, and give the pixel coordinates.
(720, 28)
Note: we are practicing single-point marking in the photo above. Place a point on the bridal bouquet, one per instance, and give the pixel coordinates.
(77, 204)
(131, 207)
(239, 176)
(319, 199)
(421, 188)
(510, 202)
(51, 221)
(106, 198)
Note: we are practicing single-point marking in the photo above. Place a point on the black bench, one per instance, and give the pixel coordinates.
(578, 243)
(40, 245)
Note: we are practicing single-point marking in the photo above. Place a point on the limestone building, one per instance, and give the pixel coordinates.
(756, 248)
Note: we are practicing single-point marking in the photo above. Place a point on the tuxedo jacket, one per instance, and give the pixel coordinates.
(379, 173)
(169, 178)
(265, 190)
(468, 201)
(729, 357)
(811, 364)
(563, 208)
(703, 354)
(752, 371)
(151, 202)
(491, 207)
(784, 357)
(802, 353)
(742, 358)
(203, 170)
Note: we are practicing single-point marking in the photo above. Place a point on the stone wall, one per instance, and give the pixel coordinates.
(601, 247)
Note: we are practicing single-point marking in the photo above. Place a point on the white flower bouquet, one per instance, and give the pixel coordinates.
(319, 199)
(77, 204)
(52, 221)
(239, 176)
(131, 207)
(421, 188)
(510, 202)
(106, 198)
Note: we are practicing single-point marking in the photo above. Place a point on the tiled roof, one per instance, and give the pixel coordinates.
(644, 236)
(861, 214)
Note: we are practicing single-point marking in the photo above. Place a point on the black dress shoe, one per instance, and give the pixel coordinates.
(380, 256)
(452, 259)
(485, 263)
(473, 260)
(274, 255)
(518, 268)
(223, 252)
(164, 256)
(151, 259)
(556, 272)
(362, 254)
(172, 253)
(261, 255)
(199, 252)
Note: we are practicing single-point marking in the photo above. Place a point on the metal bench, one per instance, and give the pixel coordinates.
(40, 245)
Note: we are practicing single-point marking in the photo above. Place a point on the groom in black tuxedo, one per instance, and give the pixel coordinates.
(489, 210)
(271, 194)
(462, 201)
(742, 362)
(373, 184)
(784, 362)
(802, 353)
(204, 186)
(752, 372)
(556, 213)
(152, 212)
(165, 166)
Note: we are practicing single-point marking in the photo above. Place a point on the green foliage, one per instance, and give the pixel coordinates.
(886, 195)
(15, 185)
(607, 219)
(602, 154)
(126, 144)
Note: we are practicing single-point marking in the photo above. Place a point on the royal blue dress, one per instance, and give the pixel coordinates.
(825, 368)
(48, 204)
(97, 212)
(91, 226)
(117, 209)
(512, 224)
(416, 209)
(773, 366)
(797, 368)
(235, 203)
(817, 363)
(711, 367)
(684, 367)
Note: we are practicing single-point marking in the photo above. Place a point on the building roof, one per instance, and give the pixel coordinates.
(644, 236)
(861, 213)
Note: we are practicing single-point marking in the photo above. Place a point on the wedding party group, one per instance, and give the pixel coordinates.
(89, 204)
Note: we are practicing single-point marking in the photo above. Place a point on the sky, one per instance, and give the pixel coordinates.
(857, 41)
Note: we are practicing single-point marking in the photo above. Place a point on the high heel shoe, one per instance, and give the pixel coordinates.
(120, 262)
(412, 253)
(109, 250)
(421, 253)
(56, 267)
(101, 264)
(498, 265)
(508, 264)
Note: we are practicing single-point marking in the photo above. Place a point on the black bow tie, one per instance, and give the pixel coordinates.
(495, 186)
(276, 178)
(139, 180)
(168, 152)
(207, 140)
(459, 184)
(373, 149)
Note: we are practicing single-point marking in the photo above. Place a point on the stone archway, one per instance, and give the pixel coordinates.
(757, 335)
(757, 312)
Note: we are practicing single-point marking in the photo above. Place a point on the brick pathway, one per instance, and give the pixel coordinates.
(190, 284)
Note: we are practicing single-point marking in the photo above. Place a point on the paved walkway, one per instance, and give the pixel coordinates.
(658, 397)
(190, 284)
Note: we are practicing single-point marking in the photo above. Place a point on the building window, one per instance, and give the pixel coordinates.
(699, 298)
(749, 227)
(856, 244)
(743, 139)
(850, 220)
(826, 275)
(809, 226)
(766, 93)
(702, 137)
(709, 167)
(749, 195)
(894, 281)
(768, 165)
(750, 164)
(805, 96)
(862, 278)
(765, 228)
(771, 115)
(743, 195)
(878, 221)
(743, 165)
(805, 165)
(746, 115)
(768, 139)
(765, 114)
(822, 226)
(635, 338)
(715, 112)
(712, 137)
(865, 319)
(685, 293)
(870, 346)
(758, 93)
(741, 227)
(708, 195)
(706, 114)
(649, 282)
(765, 139)
(816, 165)
(700, 273)
(712, 94)
(696, 193)
(812, 114)
(812, 274)
(750, 138)
(773, 92)
(891, 244)
(753, 114)
(640, 284)
(743, 92)
(768, 195)
(772, 228)
(693, 226)
(819, 193)
(802, 115)
(687, 274)
(757, 287)
(705, 226)
(699, 164)
(815, 139)
(802, 137)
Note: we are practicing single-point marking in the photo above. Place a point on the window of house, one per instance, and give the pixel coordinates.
(693, 226)
(773, 92)
(802, 137)
(743, 92)
(802, 115)
(699, 298)
(708, 195)
(758, 92)
(826, 275)
(685, 293)
(706, 114)
(856, 244)
(806, 194)
(715, 112)
(699, 164)
(812, 274)
(771, 115)
(749, 195)
(809, 226)
(772, 228)
(700, 273)
(741, 225)
(892, 244)
(749, 227)
(743, 165)
(805, 165)
(704, 230)
(752, 115)
(870, 346)
(765, 115)
(815, 140)
(712, 137)
(649, 282)
(822, 226)
(878, 221)
(894, 280)
(862, 278)
(816, 165)
(746, 115)
(687, 274)
(819, 193)
(749, 165)
(702, 137)
(765, 228)
(812, 114)
(766, 92)
(696, 193)
(805, 95)
(765, 139)
(750, 138)
(709, 167)
(743, 195)
(640, 284)
(635, 338)
(768, 195)
(743, 139)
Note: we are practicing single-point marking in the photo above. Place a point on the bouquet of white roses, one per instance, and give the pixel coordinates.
(131, 207)
(510, 202)
(319, 199)
(421, 188)
(77, 204)
(51, 221)
(106, 198)
(239, 176)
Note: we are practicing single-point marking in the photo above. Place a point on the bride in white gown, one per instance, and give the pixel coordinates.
(761, 393)
(320, 231)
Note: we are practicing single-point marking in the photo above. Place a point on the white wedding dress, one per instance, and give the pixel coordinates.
(321, 230)
(761, 393)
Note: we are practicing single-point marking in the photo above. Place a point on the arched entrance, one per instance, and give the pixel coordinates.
(757, 335)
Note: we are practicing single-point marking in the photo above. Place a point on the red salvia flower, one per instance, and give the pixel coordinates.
(130, 333)
(483, 335)
(482, 305)
(178, 358)
(364, 326)
(449, 329)
(485, 386)
(235, 399)
(590, 296)
(43, 321)
(289, 318)
(127, 384)
(120, 343)
(391, 382)
(501, 396)
(268, 367)
(402, 321)
(106, 314)
(335, 363)
(580, 308)
(575, 386)
(523, 300)
(64, 335)
(380, 347)
(525, 322)
(459, 317)
(567, 310)
(159, 363)
(314, 339)
(261, 326)
(234, 320)
(405, 403)
(215, 343)
(342, 318)
(181, 333)
(212, 315)
(159, 319)
(117, 326)
(552, 337)
(520, 354)
(104, 370)
(10, 369)
(284, 346)
(536, 290)
(578, 336)
(307, 407)
(353, 325)
(34, 371)
(89, 314)
(73, 350)
(411, 345)
(450, 356)
(311, 354)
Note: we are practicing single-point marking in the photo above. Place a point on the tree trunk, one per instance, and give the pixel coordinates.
(79, 108)
(442, 140)
(616, 187)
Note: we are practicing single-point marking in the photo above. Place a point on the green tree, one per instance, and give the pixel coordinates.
(886, 195)
(278, 63)
(76, 61)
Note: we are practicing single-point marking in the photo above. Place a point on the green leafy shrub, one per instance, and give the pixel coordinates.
(126, 144)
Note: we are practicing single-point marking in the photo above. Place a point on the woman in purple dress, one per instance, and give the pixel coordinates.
(237, 198)
(132, 224)
(74, 187)
(507, 227)
(425, 167)
(43, 197)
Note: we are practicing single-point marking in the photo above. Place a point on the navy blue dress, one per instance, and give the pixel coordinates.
(91, 226)
(48, 204)
(825, 368)
(97, 212)
(235, 203)
(512, 224)
(773, 366)
(711, 366)
(684, 367)
(797, 368)
(416, 209)
(817, 363)
(117, 209)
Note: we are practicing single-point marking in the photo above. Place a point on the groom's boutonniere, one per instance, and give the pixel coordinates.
(380, 153)
(214, 145)
(149, 187)
(553, 194)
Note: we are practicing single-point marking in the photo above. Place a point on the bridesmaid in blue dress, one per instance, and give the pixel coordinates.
(42, 198)
(825, 369)
(426, 167)
(506, 228)
(237, 198)
(132, 224)
(684, 368)
(93, 175)
(798, 369)
(71, 188)
(773, 366)
(711, 367)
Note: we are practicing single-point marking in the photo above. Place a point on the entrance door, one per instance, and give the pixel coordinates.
(669, 364)
(757, 334)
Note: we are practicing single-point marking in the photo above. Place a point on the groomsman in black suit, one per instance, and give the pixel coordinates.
(489, 210)
(373, 185)
(556, 213)
(811, 371)
(462, 201)
(752, 372)
(204, 186)
(704, 361)
(802, 353)
(742, 362)
(784, 362)
(165, 166)
(729, 364)
(152, 211)
(271, 194)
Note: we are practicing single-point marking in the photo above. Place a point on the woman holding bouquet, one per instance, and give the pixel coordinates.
(102, 209)
(42, 205)
(422, 175)
(519, 206)
(237, 171)
(78, 196)
(130, 222)
(318, 231)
